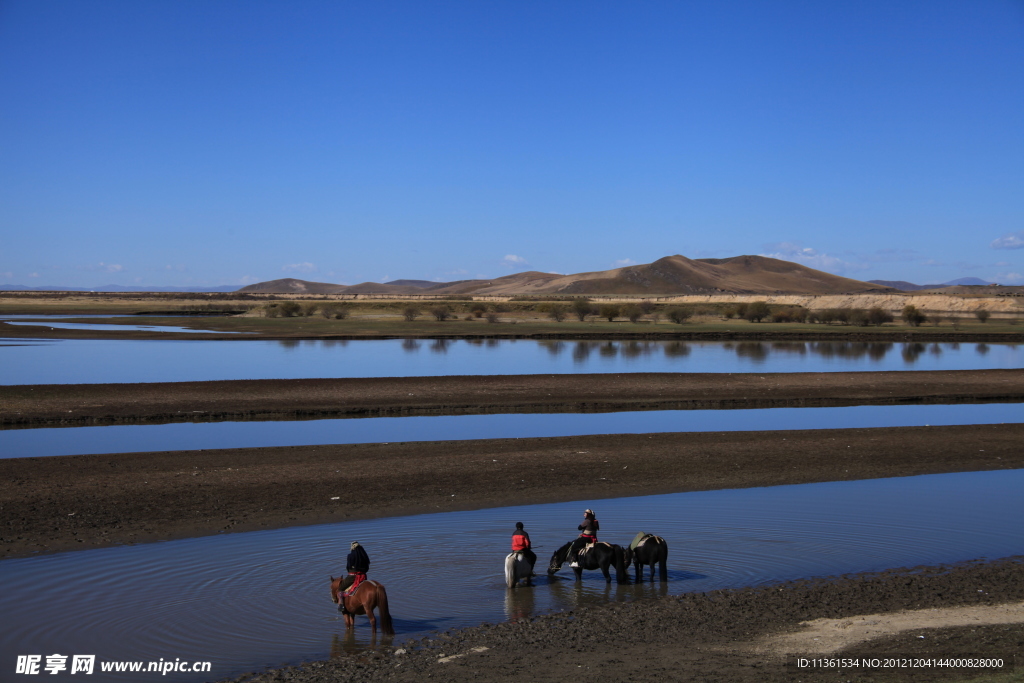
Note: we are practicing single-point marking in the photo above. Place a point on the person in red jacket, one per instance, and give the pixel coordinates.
(521, 544)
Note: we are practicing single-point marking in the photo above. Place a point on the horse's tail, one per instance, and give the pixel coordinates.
(663, 564)
(385, 614)
(510, 570)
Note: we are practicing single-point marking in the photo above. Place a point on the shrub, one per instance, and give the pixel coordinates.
(757, 311)
(858, 317)
(632, 312)
(557, 312)
(290, 309)
(581, 308)
(410, 313)
(309, 310)
(647, 306)
(336, 311)
(982, 315)
(680, 314)
(441, 313)
(912, 316)
(879, 316)
(272, 311)
(477, 308)
(492, 317)
(609, 311)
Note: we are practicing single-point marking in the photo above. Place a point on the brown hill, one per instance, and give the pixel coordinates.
(672, 275)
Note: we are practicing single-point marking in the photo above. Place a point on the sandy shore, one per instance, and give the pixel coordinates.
(61, 503)
(84, 404)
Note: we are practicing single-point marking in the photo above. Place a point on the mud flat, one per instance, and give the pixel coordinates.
(62, 503)
(85, 404)
(719, 636)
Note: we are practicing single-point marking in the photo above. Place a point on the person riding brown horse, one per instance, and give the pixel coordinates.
(357, 565)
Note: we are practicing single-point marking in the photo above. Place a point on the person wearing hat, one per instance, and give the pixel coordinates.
(521, 544)
(357, 564)
(588, 536)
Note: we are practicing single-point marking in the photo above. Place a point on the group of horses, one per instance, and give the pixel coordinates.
(649, 551)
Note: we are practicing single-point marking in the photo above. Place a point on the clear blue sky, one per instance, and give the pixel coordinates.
(223, 142)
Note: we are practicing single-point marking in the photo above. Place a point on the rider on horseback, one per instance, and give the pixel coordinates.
(588, 536)
(357, 564)
(521, 544)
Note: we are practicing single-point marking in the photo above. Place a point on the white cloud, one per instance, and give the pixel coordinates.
(1015, 240)
(1009, 278)
(458, 271)
(513, 260)
(305, 267)
(808, 256)
(248, 280)
(624, 262)
(33, 274)
(1002, 264)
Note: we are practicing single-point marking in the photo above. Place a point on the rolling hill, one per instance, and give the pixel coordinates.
(672, 275)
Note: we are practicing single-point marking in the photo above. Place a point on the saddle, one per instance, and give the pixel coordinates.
(639, 540)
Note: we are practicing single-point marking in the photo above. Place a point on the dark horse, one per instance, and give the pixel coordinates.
(598, 556)
(367, 596)
(651, 550)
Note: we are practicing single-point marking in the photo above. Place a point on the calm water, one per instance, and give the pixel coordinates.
(245, 601)
(18, 443)
(26, 361)
(130, 323)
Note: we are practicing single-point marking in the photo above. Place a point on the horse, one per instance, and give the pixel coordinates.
(368, 595)
(650, 551)
(518, 566)
(600, 555)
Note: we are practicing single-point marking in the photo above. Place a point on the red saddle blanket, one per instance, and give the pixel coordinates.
(360, 577)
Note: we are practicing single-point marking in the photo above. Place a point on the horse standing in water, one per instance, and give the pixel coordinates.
(600, 555)
(650, 550)
(367, 596)
(519, 566)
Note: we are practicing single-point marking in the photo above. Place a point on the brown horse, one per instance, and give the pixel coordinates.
(367, 596)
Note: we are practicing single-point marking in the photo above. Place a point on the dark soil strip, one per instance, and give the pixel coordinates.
(60, 503)
(700, 637)
(506, 331)
(85, 404)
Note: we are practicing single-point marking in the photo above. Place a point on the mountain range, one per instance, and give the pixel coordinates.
(904, 286)
(668, 276)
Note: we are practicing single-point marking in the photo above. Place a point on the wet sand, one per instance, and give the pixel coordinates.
(162, 402)
(714, 636)
(62, 503)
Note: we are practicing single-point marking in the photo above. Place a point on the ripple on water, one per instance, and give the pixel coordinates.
(251, 600)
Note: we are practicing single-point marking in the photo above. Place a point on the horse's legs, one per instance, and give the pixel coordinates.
(604, 570)
(579, 573)
(350, 621)
(373, 622)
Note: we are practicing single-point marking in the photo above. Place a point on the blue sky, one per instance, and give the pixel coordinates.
(213, 142)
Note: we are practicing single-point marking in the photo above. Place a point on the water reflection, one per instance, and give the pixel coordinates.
(755, 351)
(912, 351)
(118, 361)
(676, 349)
